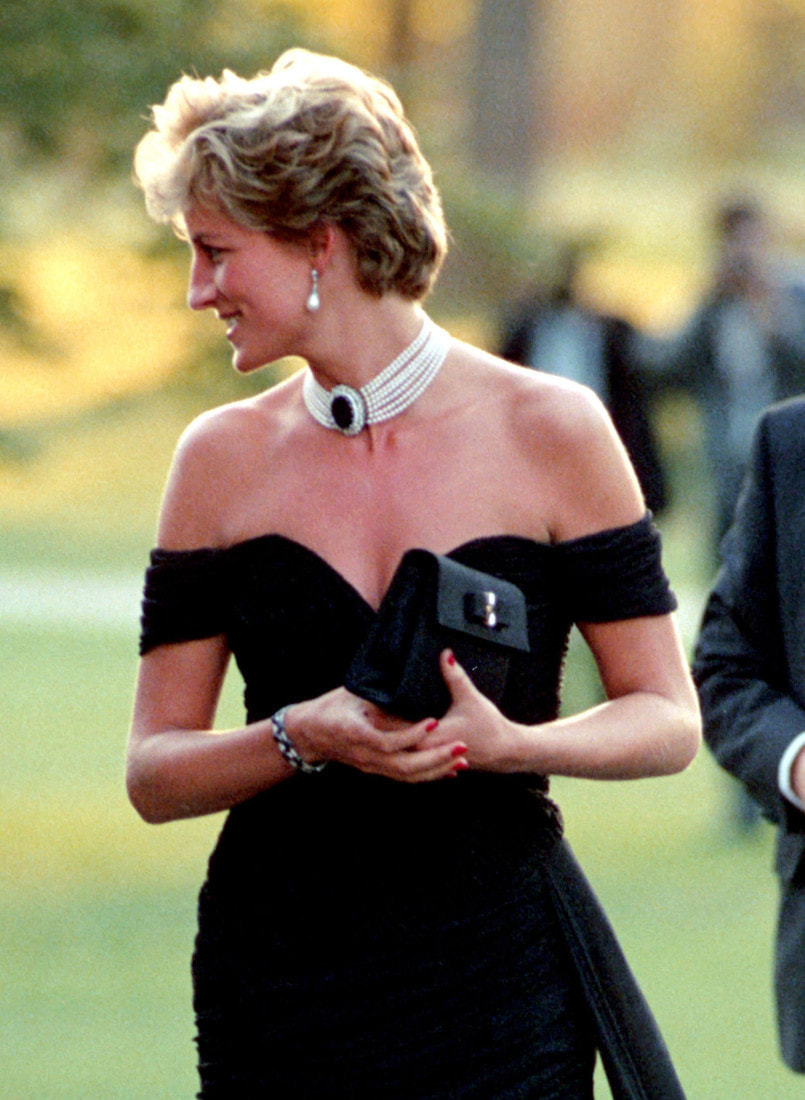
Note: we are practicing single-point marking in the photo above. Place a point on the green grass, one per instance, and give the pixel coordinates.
(693, 902)
(98, 910)
(96, 1003)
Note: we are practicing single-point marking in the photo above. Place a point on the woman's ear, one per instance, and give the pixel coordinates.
(320, 244)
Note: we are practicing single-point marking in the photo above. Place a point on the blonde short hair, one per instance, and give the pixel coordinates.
(314, 140)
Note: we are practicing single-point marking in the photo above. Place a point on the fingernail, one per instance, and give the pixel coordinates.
(451, 658)
(459, 750)
(460, 766)
(431, 726)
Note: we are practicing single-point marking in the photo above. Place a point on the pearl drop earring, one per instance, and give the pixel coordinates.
(313, 301)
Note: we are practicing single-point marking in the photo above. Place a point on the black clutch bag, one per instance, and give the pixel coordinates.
(434, 603)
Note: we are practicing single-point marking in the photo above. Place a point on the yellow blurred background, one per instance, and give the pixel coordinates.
(637, 114)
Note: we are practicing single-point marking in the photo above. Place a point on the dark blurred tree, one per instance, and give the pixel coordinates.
(505, 94)
(488, 177)
(77, 76)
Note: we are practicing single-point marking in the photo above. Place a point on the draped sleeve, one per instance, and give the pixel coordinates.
(616, 574)
(183, 597)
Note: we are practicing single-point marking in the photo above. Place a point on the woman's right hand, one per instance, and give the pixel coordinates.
(343, 728)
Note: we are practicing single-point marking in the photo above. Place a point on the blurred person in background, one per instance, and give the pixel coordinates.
(750, 670)
(557, 331)
(744, 346)
(378, 917)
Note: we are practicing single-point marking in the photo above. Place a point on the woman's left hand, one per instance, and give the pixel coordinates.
(491, 739)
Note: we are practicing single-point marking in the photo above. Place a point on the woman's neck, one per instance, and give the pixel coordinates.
(352, 346)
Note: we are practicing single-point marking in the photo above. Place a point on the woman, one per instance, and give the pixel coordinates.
(375, 921)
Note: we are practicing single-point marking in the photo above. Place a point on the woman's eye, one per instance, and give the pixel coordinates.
(213, 254)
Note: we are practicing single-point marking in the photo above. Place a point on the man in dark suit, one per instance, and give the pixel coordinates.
(750, 670)
(743, 348)
(558, 332)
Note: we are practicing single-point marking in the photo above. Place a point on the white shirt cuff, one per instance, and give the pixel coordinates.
(784, 771)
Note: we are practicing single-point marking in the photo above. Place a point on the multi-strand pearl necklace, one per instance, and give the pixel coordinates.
(388, 394)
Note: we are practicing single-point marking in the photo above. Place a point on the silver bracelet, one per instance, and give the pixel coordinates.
(286, 745)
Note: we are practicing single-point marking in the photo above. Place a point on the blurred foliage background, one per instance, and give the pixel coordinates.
(545, 120)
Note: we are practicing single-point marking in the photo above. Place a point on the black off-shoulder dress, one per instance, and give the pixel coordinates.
(360, 938)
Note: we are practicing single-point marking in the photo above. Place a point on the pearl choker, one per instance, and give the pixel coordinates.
(388, 394)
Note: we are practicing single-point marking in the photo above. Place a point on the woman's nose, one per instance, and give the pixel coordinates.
(201, 291)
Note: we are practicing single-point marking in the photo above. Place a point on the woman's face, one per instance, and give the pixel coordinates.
(255, 283)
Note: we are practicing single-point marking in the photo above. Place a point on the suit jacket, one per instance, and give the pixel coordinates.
(626, 394)
(749, 667)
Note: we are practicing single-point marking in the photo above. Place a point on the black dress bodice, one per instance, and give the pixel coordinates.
(293, 622)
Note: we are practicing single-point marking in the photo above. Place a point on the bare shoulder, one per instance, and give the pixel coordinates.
(224, 424)
(214, 432)
(560, 410)
(564, 442)
(213, 464)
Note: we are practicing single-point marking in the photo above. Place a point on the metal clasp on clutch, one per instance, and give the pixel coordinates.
(483, 608)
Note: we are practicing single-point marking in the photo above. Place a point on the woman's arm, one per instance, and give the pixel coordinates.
(649, 724)
(178, 767)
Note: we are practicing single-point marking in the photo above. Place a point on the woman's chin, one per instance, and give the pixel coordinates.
(243, 364)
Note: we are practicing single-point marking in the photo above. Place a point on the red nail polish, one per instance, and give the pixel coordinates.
(451, 658)
(459, 750)
(460, 766)
(431, 726)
